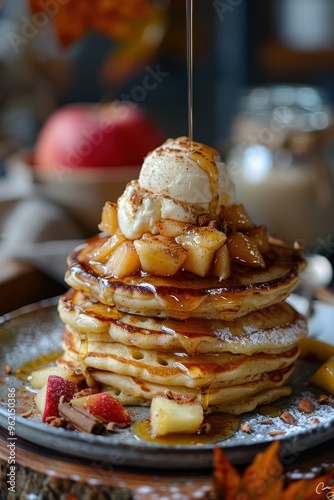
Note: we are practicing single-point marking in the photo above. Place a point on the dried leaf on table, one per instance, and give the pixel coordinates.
(263, 479)
(227, 478)
(321, 487)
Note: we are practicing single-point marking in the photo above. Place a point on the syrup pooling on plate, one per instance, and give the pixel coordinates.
(219, 427)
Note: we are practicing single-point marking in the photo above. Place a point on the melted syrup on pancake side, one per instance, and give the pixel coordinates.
(222, 427)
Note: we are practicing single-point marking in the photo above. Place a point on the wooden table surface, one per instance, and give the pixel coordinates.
(50, 474)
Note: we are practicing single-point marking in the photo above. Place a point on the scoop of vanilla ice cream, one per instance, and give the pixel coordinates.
(176, 182)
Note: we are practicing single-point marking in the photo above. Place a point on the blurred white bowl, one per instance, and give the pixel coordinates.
(81, 191)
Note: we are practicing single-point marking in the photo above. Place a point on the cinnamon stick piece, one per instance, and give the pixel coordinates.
(80, 419)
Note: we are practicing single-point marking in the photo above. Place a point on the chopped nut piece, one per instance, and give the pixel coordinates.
(8, 369)
(227, 227)
(168, 394)
(245, 428)
(111, 426)
(205, 428)
(266, 422)
(49, 419)
(323, 399)
(315, 421)
(288, 418)
(214, 224)
(203, 219)
(306, 406)
(58, 422)
(276, 433)
(208, 410)
(84, 392)
(26, 414)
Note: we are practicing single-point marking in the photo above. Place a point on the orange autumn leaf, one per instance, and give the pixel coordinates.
(228, 480)
(263, 477)
(311, 489)
(263, 480)
(76, 18)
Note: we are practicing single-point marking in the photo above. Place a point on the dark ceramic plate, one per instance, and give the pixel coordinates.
(35, 331)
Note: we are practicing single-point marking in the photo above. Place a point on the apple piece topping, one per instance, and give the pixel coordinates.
(238, 216)
(172, 228)
(104, 406)
(109, 223)
(103, 253)
(124, 260)
(221, 264)
(160, 255)
(201, 244)
(175, 415)
(259, 235)
(48, 398)
(243, 251)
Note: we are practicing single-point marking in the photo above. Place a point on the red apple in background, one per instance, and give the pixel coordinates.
(96, 135)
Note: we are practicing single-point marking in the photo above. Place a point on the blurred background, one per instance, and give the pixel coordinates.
(263, 96)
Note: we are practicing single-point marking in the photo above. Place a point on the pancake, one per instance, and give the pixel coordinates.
(186, 295)
(272, 330)
(131, 391)
(175, 369)
(127, 388)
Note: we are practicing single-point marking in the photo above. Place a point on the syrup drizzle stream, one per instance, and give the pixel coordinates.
(190, 68)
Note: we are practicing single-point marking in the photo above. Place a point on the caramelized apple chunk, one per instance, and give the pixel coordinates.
(124, 260)
(243, 250)
(259, 235)
(238, 216)
(160, 255)
(172, 228)
(109, 222)
(221, 265)
(201, 244)
(102, 253)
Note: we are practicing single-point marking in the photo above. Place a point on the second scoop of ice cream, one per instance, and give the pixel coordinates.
(179, 180)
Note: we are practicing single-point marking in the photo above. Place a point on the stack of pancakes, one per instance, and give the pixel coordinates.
(231, 343)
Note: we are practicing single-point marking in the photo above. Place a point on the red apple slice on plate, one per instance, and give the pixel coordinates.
(105, 406)
(47, 399)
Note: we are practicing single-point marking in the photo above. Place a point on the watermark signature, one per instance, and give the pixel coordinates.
(11, 439)
(322, 488)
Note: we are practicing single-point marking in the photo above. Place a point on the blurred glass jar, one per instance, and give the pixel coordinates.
(280, 164)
